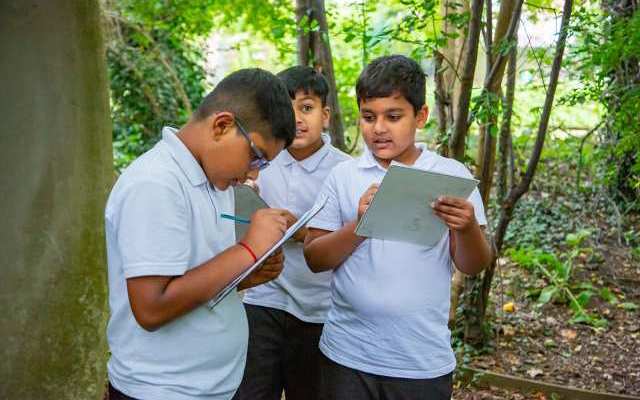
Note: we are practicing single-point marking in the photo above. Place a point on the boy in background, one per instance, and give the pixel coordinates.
(286, 315)
(169, 251)
(386, 335)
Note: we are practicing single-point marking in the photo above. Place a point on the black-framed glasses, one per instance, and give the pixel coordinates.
(260, 162)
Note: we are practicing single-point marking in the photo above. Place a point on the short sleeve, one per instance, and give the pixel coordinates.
(329, 217)
(153, 230)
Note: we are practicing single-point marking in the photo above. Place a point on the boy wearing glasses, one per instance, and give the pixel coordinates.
(286, 315)
(169, 251)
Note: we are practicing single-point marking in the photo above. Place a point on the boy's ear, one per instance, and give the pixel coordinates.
(220, 124)
(326, 117)
(422, 116)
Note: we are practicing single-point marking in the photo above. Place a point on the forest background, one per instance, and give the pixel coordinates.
(540, 98)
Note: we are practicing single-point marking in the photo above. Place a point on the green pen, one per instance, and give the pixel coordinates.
(234, 218)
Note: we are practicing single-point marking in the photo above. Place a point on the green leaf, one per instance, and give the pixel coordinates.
(608, 296)
(547, 294)
(564, 271)
(584, 297)
(575, 239)
(629, 306)
(584, 285)
(581, 317)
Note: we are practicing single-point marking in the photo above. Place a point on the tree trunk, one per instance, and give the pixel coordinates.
(505, 127)
(448, 63)
(506, 213)
(461, 124)
(442, 102)
(449, 95)
(622, 118)
(314, 50)
(55, 149)
(506, 28)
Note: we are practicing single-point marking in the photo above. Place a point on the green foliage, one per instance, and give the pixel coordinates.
(486, 108)
(607, 60)
(529, 258)
(629, 306)
(608, 296)
(156, 60)
(558, 272)
(155, 68)
(573, 240)
(542, 222)
(555, 206)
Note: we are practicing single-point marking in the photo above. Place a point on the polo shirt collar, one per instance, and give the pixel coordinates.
(312, 162)
(367, 160)
(186, 161)
(426, 160)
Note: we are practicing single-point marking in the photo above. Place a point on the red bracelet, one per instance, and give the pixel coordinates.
(246, 246)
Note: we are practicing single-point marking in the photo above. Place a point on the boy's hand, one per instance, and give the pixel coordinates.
(457, 213)
(365, 200)
(268, 271)
(267, 227)
(300, 233)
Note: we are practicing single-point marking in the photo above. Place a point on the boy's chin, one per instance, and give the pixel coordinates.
(303, 142)
(385, 154)
(224, 185)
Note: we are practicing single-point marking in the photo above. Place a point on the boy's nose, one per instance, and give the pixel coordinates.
(380, 127)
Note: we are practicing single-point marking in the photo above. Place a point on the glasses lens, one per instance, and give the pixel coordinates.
(258, 164)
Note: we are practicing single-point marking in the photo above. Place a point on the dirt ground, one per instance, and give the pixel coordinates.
(540, 343)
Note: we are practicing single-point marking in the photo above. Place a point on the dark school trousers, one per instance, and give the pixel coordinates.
(283, 354)
(114, 394)
(338, 382)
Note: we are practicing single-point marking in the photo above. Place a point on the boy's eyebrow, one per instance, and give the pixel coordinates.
(396, 109)
(307, 97)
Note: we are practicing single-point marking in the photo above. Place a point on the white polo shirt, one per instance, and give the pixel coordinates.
(294, 185)
(163, 218)
(390, 300)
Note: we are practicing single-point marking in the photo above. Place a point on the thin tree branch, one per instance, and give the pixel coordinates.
(505, 128)
(489, 34)
(580, 156)
(535, 56)
(500, 60)
(441, 98)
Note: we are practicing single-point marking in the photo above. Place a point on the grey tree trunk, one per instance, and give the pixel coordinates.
(470, 57)
(56, 161)
(448, 63)
(505, 126)
(314, 50)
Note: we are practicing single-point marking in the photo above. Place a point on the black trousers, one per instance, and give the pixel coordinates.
(338, 382)
(115, 394)
(283, 354)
